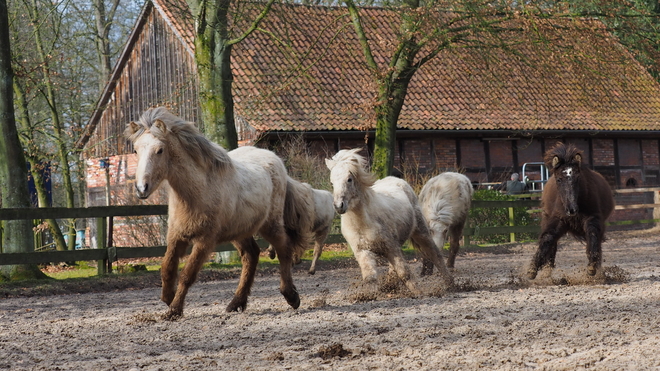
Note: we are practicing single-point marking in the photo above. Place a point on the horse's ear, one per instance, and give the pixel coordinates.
(134, 127)
(330, 163)
(555, 162)
(578, 158)
(161, 126)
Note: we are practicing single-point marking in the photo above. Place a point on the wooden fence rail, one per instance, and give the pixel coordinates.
(106, 255)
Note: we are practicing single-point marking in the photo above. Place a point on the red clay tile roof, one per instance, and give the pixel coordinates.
(304, 71)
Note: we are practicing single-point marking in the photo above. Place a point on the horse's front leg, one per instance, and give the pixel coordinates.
(547, 250)
(399, 266)
(595, 233)
(249, 251)
(176, 249)
(200, 253)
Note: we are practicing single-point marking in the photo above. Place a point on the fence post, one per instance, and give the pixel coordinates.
(101, 225)
(512, 236)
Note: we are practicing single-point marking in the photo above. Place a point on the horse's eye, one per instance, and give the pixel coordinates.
(350, 180)
(558, 180)
(160, 150)
(135, 152)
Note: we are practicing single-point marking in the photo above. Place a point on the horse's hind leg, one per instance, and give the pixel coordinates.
(249, 251)
(595, 235)
(319, 239)
(176, 249)
(431, 253)
(318, 248)
(455, 233)
(438, 238)
(199, 254)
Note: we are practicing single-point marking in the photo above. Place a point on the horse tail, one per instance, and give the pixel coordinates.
(299, 215)
(442, 213)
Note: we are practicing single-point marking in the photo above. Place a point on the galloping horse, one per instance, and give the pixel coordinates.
(324, 213)
(217, 196)
(377, 217)
(445, 201)
(576, 200)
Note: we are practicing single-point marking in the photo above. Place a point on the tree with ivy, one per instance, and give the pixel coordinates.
(17, 235)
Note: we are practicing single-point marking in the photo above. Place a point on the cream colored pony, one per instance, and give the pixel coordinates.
(324, 214)
(445, 201)
(217, 196)
(377, 217)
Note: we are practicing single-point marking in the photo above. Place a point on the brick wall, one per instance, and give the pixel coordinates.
(417, 155)
(603, 152)
(472, 153)
(629, 152)
(501, 154)
(650, 153)
(445, 154)
(529, 150)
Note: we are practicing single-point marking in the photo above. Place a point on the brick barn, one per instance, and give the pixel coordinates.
(483, 115)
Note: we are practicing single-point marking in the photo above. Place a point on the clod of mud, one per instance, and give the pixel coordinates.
(332, 351)
(322, 301)
(275, 356)
(363, 296)
(616, 274)
(143, 318)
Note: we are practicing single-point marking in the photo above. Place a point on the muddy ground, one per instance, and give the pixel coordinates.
(494, 320)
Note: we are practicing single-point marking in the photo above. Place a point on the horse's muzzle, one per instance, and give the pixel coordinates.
(341, 207)
(142, 192)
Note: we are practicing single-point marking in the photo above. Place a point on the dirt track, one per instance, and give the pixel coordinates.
(495, 321)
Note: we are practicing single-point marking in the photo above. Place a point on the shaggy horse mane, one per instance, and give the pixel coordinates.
(565, 154)
(357, 165)
(197, 146)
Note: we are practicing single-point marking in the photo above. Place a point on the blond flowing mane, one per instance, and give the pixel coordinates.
(358, 166)
(198, 147)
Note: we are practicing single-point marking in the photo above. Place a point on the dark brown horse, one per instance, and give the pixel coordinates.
(576, 200)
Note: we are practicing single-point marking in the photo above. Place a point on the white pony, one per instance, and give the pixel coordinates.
(217, 196)
(445, 201)
(324, 214)
(377, 217)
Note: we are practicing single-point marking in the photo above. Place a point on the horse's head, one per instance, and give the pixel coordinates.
(565, 164)
(348, 176)
(151, 147)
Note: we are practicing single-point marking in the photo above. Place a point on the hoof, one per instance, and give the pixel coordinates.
(292, 298)
(167, 298)
(271, 253)
(237, 305)
(173, 315)
(426, 271)
(311, 272)
(531, 273)
(591, 270)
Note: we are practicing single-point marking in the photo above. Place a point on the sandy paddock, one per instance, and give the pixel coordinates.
(494, 320)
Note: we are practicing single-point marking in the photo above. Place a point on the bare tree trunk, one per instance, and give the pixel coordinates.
(62, 150)
(33, 159)
(103, 24)
(392, 84)
(17, 235)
